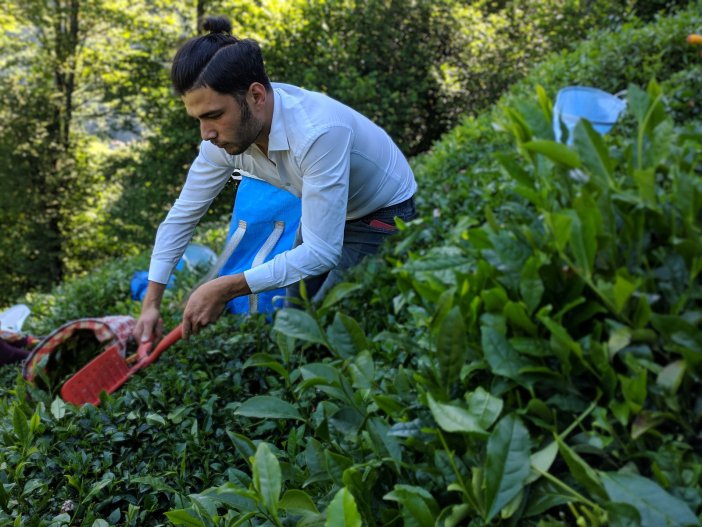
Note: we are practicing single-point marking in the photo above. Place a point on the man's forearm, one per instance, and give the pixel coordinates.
(232, 286)
(154, 295)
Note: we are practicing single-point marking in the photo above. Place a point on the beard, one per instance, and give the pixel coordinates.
(250, 129)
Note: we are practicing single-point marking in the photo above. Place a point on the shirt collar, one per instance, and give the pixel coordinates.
(277, 138)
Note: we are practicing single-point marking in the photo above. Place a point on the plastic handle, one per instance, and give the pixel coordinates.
(145, 358)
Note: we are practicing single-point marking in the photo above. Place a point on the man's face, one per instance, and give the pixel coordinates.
(223, 121)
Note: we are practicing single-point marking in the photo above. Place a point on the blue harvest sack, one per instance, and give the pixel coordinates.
(264, 223)
(573, 103)
(195, 256)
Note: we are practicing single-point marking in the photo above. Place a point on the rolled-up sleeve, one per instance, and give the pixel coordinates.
(325, 186)
(207, 176)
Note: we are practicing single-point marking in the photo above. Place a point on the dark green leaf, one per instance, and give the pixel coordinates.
(346, 336)
(507, 464)
(452, 346)
(654, 504)
(418, 507)
(298, 324)
(267, 477)
(555, 152)
(268, 407)
(184, 517)
(500, 355)
(338, 293)
(580, 470)
(265, 360)
(452, 418)
(593, 153)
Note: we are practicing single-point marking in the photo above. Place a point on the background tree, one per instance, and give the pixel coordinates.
(73, 73)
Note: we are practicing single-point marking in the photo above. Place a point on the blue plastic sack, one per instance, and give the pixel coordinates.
(573, 103)
(195, 256)
(264, 221)
(140, 282)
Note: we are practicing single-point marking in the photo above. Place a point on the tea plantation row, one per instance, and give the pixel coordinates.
(526, 353)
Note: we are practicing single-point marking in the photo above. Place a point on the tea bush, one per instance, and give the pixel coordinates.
(528, 355)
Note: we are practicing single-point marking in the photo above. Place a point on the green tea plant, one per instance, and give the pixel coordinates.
(542, 369)
(525, 353)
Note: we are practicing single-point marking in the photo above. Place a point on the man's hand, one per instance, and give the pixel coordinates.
(149, 327)
(207, 302)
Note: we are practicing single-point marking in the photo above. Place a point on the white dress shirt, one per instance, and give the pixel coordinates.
(340, 163)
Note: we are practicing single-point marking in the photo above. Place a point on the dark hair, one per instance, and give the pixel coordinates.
(219, 61)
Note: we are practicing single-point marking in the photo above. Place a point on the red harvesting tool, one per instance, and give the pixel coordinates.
(109, 370)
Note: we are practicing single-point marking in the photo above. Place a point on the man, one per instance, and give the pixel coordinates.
(352, 179)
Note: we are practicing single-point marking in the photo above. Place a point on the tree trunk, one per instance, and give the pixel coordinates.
(200, 14)
(66, 40)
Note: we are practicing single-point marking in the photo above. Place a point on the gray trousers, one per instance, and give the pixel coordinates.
(362, 237)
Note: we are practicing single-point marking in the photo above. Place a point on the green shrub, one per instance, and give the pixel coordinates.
(614, 58)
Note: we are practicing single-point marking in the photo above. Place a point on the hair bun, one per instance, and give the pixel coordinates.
(217, 24)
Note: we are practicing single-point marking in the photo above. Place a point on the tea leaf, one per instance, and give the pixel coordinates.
(451, 346)
(484, 406)
(268, 407)
(184, 517)
(500, 355)
(517, 314)
(342, 511)
(555, 152)
(542, 460)
(265, 360)
(298, 324)
(634, 389)
(297, 500)
(452, 418)
(155, 419)
(654, 504)
(267, 477)
(346, 336)
(622, 515)
(154, 483)
(580, 470)
(382, 440)
(21, 426)
(58, 408)
(531, 287)
(507, 464)
(593, 153)
(418, 506)
(97, 488)
(338, 293)
(646, 183)
(544, 494)
(672, 375)
(583, 242)
(515, 170)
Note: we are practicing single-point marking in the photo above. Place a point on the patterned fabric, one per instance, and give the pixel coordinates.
(107, 330)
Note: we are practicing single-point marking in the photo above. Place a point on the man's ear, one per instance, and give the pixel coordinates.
(257, 93)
